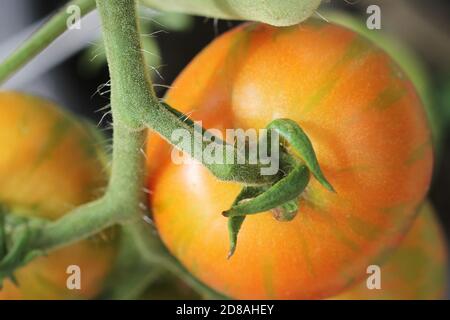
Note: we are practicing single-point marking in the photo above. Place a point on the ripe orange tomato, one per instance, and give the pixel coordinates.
(370, 134)
(50, 163)
(417, 270)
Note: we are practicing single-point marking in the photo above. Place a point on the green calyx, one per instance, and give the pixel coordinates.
(286, 189)
(14, 246)
(281, 197)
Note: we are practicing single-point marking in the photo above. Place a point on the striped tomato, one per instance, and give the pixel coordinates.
(370, 134)
(49, 164)
(417, 270)
(413, 66)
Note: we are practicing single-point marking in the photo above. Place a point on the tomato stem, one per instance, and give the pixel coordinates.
(51, 30)
(133, 103)
(168, 120)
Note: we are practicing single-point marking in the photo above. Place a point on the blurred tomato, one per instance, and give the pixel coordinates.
(49, 164)
(416, 270)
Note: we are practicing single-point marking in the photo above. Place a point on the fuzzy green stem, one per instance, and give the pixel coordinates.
(124, 198)
(165, 120)
(131, 94)
(52, 29)
(80, 223)
(136, 104)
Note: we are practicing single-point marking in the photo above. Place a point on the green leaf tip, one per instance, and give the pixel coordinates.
(234, 225)
(290, 131)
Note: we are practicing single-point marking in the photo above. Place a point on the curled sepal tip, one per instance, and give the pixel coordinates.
(253, 200)
(290, 131)
(235, 223)
(286, 189)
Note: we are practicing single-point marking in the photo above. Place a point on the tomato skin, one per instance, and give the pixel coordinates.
(417, 269)
(49, 154)
(369, 131)
(408, 60)
(49, 164)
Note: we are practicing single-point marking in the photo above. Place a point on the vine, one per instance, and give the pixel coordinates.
(135, 108)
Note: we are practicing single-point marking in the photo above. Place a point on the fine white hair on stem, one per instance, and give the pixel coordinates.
(154, 33)
(153, 20)
(147, 219)
(143, 153)
(102, 93)
(103, 117)
(155, 70)
(158, 67)
(106, 128)
(95, 56)
(186, 116)
(147, 191)
(101, 87)
(151, 53)
(158, 85)
(107, 107)
(321, 16)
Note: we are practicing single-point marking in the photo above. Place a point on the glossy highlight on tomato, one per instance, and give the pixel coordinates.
(50, 163)
(368, 129)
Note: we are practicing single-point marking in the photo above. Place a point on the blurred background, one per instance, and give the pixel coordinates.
(415, 32)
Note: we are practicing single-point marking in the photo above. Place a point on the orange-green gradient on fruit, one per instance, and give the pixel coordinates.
(49, 164)
(417, 270)
(368, 129)
(407, 59)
